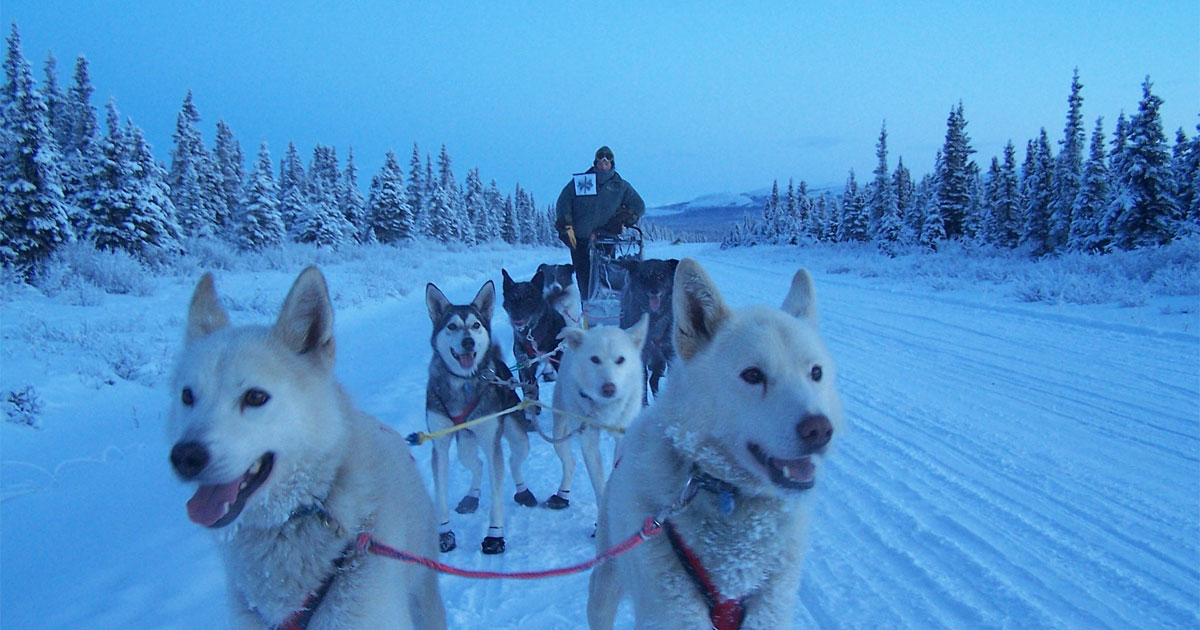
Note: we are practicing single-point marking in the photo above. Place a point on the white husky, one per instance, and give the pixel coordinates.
(600, 378)
(724, 459)
(290, 472)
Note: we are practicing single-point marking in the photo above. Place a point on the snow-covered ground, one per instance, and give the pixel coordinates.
(1008, 464)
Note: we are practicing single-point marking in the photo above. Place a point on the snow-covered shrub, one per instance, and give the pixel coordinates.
(112, 271)
(23, 407)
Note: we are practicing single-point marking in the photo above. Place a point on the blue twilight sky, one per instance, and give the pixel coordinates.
(694, 98)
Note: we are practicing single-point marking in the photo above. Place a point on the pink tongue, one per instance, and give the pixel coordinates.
(655, 303)
(207, 506)
(466, 360)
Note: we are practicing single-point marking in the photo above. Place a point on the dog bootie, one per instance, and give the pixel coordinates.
(556, 502)
(468, 505)
(446, 541)
(493, 545)
(526, 498)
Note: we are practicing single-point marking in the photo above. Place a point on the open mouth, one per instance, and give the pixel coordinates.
(219, 505)
(655, 302)
(465, 360)
(794, 474)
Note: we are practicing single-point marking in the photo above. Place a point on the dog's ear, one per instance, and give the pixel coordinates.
(673, 263)
(538, 279)
(637, 333)
(573, 336)
(542, 267)
(485, 300)
(435, 301)
(508, 281)
(699, 309)
(628, 264)
(205, 314)
(801, 300)
(305, 323)
(570, 269)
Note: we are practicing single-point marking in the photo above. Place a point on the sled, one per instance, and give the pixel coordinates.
(602, 305)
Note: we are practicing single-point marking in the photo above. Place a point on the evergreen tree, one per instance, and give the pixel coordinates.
(475, 209)
(508, 222)
(391, 216)
(804, 210)
(975, 219)
(293, 196)
(416, 193)
(1068, 170)
(855, 223)
(82, 157)
(229, 164)
(431, 184)
(1092, 198)
(326, 225)
(156, 220)
(1186, 167)
(906, 199)
(57, 110)
(494, 213)
(1037, 189)
(1003, 200)
(260, 224)
(350, 200)
(1146, 213)
(33, 211)
(458, 228)
(954, 180)
(885, 225)
(195, 187)
(932, 229)
(114, 210)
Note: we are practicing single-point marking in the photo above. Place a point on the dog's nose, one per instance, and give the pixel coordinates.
(468, 343)
(608, 390)
(815, 431)
(189, 458)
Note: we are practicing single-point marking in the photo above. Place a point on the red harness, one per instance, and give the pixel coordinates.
(462, 417)
(725, 613)
(299, 619)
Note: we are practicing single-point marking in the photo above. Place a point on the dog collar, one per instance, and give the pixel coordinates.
(725, 491)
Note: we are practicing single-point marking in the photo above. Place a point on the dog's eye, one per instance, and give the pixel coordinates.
(620, 360)
(452, 327)
(596, 360)
(816, 373)
(187, 397)
(753, 376)
(475, 326)
(255, 397)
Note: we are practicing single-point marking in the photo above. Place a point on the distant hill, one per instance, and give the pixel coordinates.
(711, 216)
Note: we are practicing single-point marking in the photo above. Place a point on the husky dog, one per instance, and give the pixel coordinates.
(290, 473)
(724, 459)
(463, 375)
(535, 334)
(558, 287)
(649, 292)
(600, 379)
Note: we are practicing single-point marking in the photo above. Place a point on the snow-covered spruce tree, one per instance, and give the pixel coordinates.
(856, 222)
(886, 227)
(1002, 194)
(259, 224)
(58, 113)
(293, 193)
(906, 199)
(391, 217)
(954, 178)
(1185, 167)
(1146, 214)
(804, 210)
(425, 220)
(932, 229)
(350, 200)
(1092, 198)
(82, 153)
(494, 212)
(508, 222)
(33, 211)
(195, 187)
(415, 192)
(113, 226)
(457, 227)
(788, 226)
(229, 168)
(441, 222)
(326, 225)
(1068, 170)
(155, 218)
(473, 207)
(975, 218)
(1037, 189)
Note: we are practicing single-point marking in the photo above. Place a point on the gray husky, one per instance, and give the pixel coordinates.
(465, 376)
(288, 472)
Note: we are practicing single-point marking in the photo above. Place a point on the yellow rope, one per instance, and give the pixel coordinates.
(420, 437)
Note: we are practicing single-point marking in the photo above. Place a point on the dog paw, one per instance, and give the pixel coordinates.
(446, 541)
(493, 545)
(556, 502)
(526, 498)
(468, 505)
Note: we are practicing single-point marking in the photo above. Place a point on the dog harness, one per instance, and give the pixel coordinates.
(725, 613)
(462, 417)
(299, 619)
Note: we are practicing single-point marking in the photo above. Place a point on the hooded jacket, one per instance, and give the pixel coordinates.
(614, 199)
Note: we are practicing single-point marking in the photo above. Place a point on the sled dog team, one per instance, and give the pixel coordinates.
(288, 473)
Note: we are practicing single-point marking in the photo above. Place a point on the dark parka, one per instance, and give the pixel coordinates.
(615, 203)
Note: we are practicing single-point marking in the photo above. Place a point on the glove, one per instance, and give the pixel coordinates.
(570, 232)
(614, 225)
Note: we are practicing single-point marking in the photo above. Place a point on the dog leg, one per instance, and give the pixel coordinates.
(518, 447)
(441, 476)
(493, 543)
(604, 594)
(468, 454)
(562, 498)
(589, 443)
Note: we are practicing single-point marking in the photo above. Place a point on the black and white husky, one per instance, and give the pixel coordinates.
(536, 326)
(559, 289)
(464, 383)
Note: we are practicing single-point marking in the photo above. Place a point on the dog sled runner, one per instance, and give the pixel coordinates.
(602, 305)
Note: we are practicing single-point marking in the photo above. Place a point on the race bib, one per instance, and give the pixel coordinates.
(585, 184)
